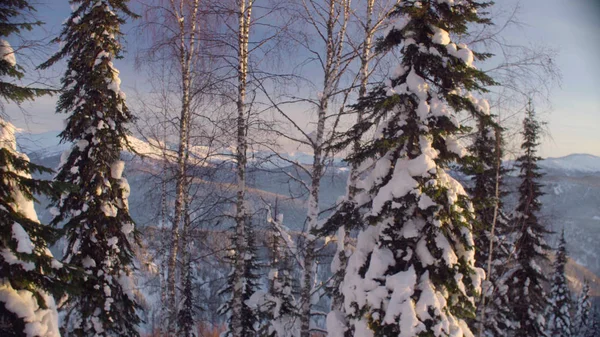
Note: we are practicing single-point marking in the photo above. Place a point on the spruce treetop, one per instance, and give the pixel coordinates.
(525, 279)
(583, 318)
(560, 300)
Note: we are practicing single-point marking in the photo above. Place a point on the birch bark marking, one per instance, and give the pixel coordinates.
(362, 91)
(337, 302)
(244, 16)
(334, 47)
(185, 56)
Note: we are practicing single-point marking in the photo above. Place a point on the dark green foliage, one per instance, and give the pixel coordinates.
(250, 283)
(525, 279)
(100, 232)
(560, 297)
(484, 165)
(186, 316)
(281, 311)
(31, 268)
(15, 17)
(583, 315)
(25, 267)
(594, 328)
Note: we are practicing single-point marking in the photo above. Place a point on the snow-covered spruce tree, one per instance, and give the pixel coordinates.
(594, 327)
(282, 318)
(487, 191)
(582, 319)
(413, 272)
(525, 279)
(30, 277)
(277, 309)
(99, 230)
(247, 285)
(560, 296)
(487, 177)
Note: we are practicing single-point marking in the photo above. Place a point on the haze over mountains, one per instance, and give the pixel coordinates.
(571, 184)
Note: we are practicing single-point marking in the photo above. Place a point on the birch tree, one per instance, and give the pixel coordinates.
(187, 26)
(244, 14)
(244, 51)
(369, 24)
(180, 46)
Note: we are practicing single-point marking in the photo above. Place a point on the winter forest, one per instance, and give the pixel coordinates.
(289, 168)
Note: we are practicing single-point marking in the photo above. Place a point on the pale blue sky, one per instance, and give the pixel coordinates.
(570, 26)
(573, 27)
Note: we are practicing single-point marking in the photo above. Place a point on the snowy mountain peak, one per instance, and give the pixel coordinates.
(48, 144)
(44, 144)
(577, 162)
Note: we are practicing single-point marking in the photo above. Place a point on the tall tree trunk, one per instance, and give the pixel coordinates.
(334, 47)
(185, 315)
(485, 291)
(337, 301)
(164, 211)
(275, 253)
(312, 218)
(186, 52)
(362, 91)
(163, 247)
(244, 16)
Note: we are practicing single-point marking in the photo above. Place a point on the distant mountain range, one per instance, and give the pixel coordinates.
(571, 184)
(48, 144)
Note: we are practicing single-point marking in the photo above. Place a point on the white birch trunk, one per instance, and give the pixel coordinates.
(186, 52)
(337, 303)
(163, 314)
(334, 47)
(244, 16)
(362, 91)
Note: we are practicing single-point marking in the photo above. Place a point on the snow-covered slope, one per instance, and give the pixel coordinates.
(45, 144)
(572, 187)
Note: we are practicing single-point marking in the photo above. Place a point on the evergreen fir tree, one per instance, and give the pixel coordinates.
(487, 192)
(582, 314)
(14, 18)
(594, 326)
(282, 319)
(186, 314)
(249, 285)
(30, 277)
(279, 308)
(343, 221)
(483, 166)
(560, 297)
(413, 272)
(99, 230)
(525, 278)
